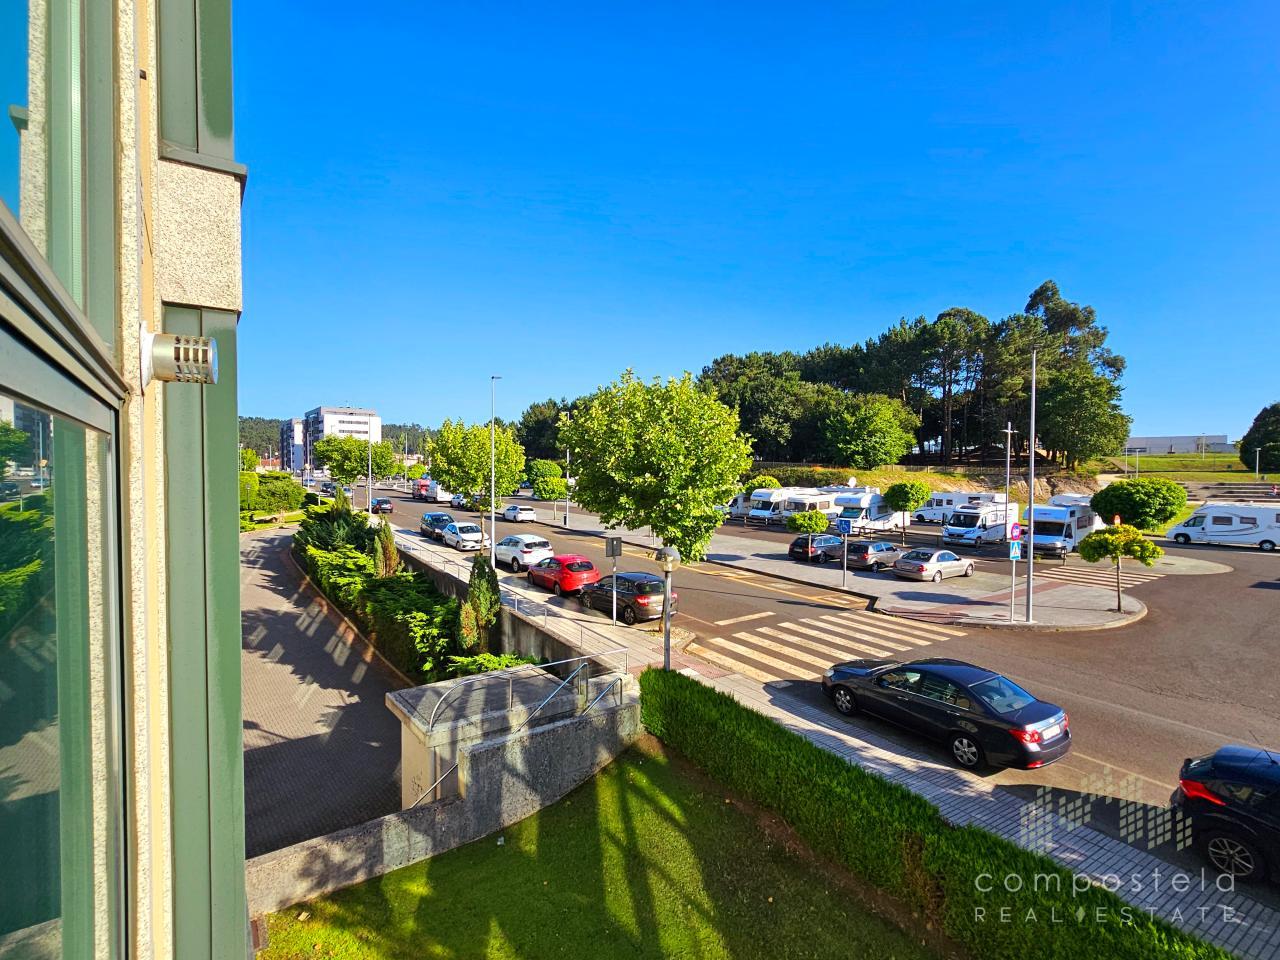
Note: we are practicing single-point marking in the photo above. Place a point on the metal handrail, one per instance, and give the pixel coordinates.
(551, 696)
(434, 785)
(615, 682)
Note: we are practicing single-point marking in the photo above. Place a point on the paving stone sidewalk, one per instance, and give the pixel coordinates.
(322, 751)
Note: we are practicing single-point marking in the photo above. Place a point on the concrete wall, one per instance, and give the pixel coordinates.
(502, 781)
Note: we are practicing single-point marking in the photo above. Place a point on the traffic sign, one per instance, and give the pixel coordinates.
(1015, 549)
(844, 525)
(1015, 531)
(613, 546)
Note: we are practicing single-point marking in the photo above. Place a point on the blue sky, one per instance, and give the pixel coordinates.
(555, 192)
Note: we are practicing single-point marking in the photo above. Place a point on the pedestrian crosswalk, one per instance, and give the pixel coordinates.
(1101, 575)
(804, 647)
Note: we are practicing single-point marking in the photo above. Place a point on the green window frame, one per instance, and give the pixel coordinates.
(195, 88)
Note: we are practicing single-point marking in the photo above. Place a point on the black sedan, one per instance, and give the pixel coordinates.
(815, 547)
(432, 525)
(1232, 799)
(985, 719)
(640, 596)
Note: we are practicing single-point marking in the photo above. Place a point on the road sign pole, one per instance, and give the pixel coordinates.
(844, 559)
(615, 589)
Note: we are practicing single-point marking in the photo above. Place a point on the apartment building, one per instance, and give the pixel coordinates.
(121, 799)
(340, 422)
(293, 445)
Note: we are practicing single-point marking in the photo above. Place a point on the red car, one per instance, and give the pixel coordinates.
(564, 573)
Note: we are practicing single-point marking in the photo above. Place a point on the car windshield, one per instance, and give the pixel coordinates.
(468, 528)
(1002, 695)
(965, 520)
(1049, 528)
(577, 566)
(648, 588)
(921, 555)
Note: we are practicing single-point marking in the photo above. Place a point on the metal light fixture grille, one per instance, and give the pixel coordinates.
(172, 358)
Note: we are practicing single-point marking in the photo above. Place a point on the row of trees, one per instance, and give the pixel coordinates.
(1260, 447)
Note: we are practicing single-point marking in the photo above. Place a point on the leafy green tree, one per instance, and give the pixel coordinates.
(953, 351)
(1263, 434)
(875, 430)
(907, 496)
(1080, 417)
(811, 521)
(460, 460)
(1118, 544)
(415, 471)
(762, 481)
(662, 455)
(249, 459)
(547, 480)
(249, 482)
(484, 598)
(15, 446)
(1143, 502)
(278, 491)
(386, 556)
(539, 427)
(347, 458)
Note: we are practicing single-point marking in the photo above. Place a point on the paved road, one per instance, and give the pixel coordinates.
(1181, 682)
(322, 751)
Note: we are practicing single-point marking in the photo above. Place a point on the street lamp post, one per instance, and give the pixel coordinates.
(668, 557)
(1013, 564)
(1257, 463)
(1031, 496)
(368, 480)
(493, 472)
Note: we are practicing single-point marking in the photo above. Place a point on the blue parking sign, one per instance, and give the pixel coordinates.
(845, 525)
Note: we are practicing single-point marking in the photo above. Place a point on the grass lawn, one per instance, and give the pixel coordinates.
(1162, 529)
(646, 860)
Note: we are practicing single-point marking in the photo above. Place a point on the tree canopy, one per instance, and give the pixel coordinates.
(1143, 502)
(660, 454)
(15, 446)
(1263, 435)
(460, 459)
(539, 426)
(249, 459)
(1118, 543)
(348, 457)
(872, 431)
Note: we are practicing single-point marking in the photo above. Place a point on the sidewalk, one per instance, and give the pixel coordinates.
(1232, 920)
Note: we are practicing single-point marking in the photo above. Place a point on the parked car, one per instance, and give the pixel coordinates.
(348, 491)
(464, 536)
(463, 501)
(932, 564)
(1232, 798)
(813, 547)
(432, 525)
(564, 573)
(522, 550)
(9, 490)
(640, 596)
(380, 505)
(984, 718)
(874, 555)
(519, 514)
(329, 487)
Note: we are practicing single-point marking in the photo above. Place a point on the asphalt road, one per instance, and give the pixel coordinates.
(1197, 672)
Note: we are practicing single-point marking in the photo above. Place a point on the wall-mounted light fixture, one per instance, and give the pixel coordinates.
(171, 358)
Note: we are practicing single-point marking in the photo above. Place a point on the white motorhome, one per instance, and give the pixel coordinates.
(766, 503)
(738, 507)
(866, 509)
(943, 503)
(808, 501)
(437, 493)
(1061, 524)
(1248, 524)
(978, 524)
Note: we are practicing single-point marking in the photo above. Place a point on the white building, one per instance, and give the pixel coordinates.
(339, 422)
(1191, 443)
(293, 444)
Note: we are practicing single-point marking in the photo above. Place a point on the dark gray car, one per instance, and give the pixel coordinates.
(874, 555)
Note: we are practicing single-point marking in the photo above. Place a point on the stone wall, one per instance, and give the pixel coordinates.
(502, 781)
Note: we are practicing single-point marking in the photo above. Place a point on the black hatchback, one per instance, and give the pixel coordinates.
(985, 719)
(432, 525)
(1232, 798)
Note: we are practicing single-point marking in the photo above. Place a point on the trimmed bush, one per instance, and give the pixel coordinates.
(248, 489)
(899, 841)
(550, 488)
(279, 492)
(762, 481)
(811, 521)
(1143, 502)
(484, 662)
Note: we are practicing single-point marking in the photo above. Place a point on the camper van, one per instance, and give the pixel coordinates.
(978, 524)
(942, 504)
(737, 508)
(1249, 524)
(866, 510)
(807, 501)
(766, 503)
(1061, 524)
(437, 493)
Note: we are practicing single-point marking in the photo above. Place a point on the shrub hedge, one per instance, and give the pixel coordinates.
(899, 841)
(811, 521)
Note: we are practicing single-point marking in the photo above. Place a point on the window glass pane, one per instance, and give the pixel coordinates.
(48, 628)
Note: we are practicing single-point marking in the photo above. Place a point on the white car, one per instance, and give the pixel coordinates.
(517, 514)
(522, 550)
(465, 536)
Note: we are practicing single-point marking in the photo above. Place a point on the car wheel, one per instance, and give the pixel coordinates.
(1267, 546)
(821, 557)
(937, 577)
(1181, 538)
(966, 751)
(968, 571)
(529, 576)
(1234, 856)
(920, 519)
(628, 616)
(845, 701)
(556, 589)
(515, 565)
(876, 566)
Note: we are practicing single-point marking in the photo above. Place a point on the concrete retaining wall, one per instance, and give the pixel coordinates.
(502, 781)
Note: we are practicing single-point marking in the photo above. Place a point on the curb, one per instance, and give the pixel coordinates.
(366, 650)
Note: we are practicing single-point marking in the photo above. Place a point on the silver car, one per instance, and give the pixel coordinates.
(518, 514)
(465, 536)
(522, 550)
(932, 564)
(873, 555)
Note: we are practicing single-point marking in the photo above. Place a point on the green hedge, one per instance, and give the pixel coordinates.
(810, 476)
(899, 841)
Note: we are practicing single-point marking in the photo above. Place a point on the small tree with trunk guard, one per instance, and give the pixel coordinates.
(907, 497)
(1117, 544)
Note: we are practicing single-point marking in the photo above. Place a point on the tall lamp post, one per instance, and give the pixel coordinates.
(1008, 521)
(1257, 463)
(1031, 496)
(669, 557)
(493, 472)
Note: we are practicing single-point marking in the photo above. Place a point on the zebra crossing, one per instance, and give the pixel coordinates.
(1101, 575)
(802, 648)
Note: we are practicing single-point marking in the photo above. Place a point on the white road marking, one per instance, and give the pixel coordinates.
(750, 616)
